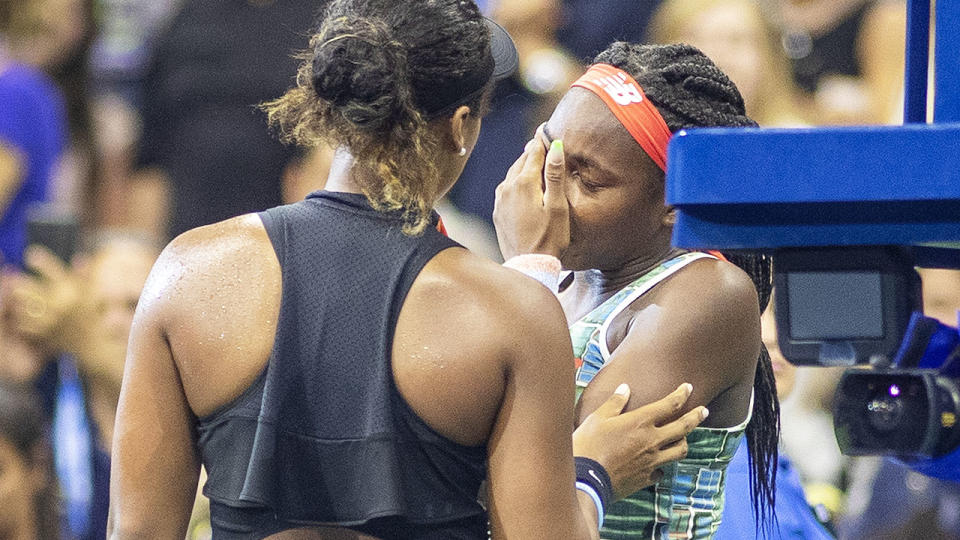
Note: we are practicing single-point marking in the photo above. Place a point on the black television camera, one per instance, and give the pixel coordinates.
(862, 305)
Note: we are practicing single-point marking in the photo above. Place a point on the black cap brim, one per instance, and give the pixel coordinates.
(506, 60)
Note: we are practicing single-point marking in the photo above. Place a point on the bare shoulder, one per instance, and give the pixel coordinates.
(709, 311)
(500, 296)
(474, 325)
(882, 33)
(701, 326)
(494, 310)
(885, 15)
(214, 295)
(712, 288)
(721, 308)
(205, 260)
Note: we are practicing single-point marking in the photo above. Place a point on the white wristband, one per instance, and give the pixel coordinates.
(543, 268)
(586, 488)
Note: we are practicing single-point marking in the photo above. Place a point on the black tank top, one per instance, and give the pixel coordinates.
(323, 437)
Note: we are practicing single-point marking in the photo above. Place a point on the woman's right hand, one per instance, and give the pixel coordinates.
(634, 445)
(531, 212)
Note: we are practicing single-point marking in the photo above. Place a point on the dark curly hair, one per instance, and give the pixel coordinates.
(690, 91)
(376, 74)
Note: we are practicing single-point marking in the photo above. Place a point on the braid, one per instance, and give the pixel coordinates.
(763, 432)
(685, 85)
(690, 91)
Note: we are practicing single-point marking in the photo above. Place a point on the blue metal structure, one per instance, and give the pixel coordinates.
(775, 188)
(765, 189)
(947, 52)
(917, 62)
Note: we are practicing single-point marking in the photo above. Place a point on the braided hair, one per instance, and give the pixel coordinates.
(690, 91)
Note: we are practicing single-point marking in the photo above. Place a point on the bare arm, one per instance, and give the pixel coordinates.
(702, 327)
(203, 330)
(155, 466)
(530, 456)
(531, 470)
(880, 46)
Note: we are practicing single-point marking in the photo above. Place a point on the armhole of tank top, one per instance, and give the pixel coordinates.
(224, 411)
(743, 425)
(273, 224)
(687, 258)
(442, 244)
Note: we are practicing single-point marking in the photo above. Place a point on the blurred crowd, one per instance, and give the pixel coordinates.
(126, 122)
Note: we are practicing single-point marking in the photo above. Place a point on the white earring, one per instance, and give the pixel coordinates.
(463, 151)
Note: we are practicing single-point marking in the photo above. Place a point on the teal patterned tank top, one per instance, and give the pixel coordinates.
(688, 501)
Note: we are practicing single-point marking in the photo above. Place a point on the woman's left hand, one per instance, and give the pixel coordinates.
(531, 213)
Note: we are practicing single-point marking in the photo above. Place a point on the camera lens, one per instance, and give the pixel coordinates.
(885, 411)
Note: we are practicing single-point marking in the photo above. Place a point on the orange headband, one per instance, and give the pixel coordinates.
(630, 105)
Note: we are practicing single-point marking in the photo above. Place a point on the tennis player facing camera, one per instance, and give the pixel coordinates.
(339, 366)
(640, 310)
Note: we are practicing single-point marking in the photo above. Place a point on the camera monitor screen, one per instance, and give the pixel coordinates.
(843, 305)
(835, 305)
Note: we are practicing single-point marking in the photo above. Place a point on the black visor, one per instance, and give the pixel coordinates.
(504, 51)
(504, 60)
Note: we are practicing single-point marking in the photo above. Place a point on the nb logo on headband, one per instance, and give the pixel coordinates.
(622, 92)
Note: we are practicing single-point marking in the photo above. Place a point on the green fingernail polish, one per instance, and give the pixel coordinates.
(557, 145)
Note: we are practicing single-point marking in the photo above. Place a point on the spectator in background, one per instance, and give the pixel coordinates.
(28, 491)
(83, 323)
(20, 361)
(888, 501)
(546, 68)
(737, 37)
(126, 37)
(941, 294)
(54, 36)
(32, 131)
(589, 26)
(202, 132)
(846, 55)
